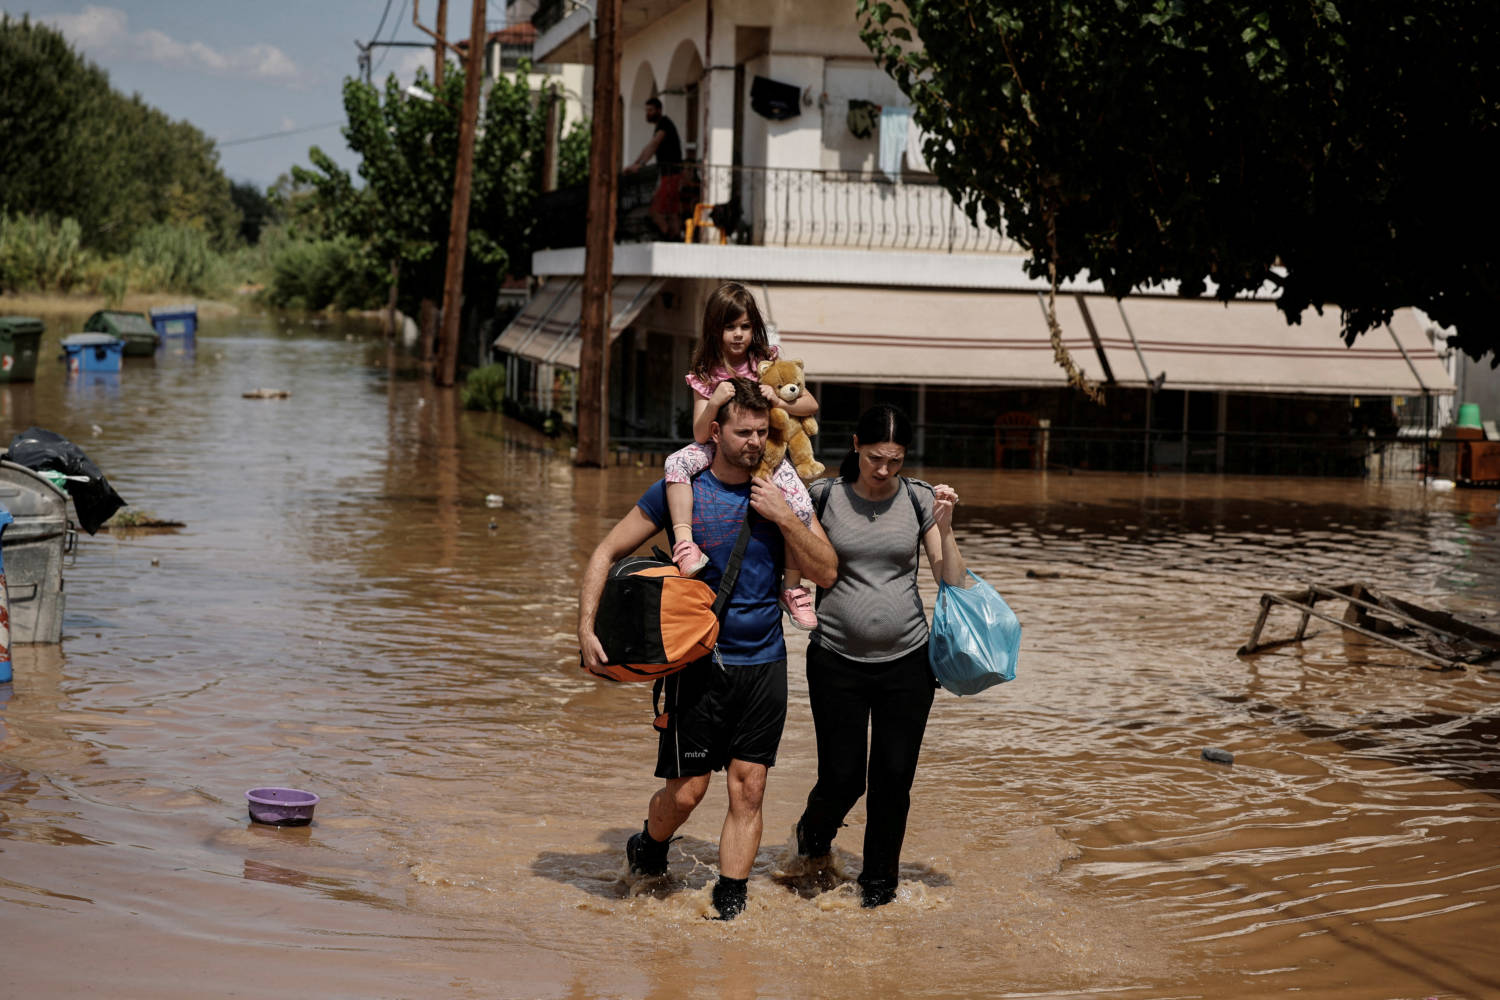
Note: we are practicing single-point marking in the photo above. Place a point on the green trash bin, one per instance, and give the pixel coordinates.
(141, 338)
(19, 336)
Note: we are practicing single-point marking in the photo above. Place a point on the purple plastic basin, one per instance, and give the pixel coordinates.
(281, 806)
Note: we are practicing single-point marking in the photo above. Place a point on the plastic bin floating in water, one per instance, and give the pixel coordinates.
(281, 806)
(19, 336)
(93, 352)
(34, 546)
(175, 321)
(140, 337)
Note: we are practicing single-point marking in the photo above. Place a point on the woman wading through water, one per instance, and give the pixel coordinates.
(867, 666)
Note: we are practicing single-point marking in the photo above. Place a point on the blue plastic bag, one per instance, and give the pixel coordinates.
(975, 638)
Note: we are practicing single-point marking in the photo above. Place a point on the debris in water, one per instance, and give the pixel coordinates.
(494, 500)
(1430, 634)
(1043, 574)
(1218, 756)
(268, 394)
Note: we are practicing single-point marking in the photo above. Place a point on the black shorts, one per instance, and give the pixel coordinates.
(718, 713)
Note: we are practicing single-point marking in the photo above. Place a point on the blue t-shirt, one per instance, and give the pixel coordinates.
(751, 632)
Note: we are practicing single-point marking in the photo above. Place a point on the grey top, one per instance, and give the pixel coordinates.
(873, 611)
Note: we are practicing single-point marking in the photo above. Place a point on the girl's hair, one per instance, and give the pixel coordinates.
(879, 424)
(725, 305)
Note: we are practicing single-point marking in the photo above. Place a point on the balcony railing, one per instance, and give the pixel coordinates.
(772, 206)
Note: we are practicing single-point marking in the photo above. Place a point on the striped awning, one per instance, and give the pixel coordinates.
(546, 330)
(853, 334)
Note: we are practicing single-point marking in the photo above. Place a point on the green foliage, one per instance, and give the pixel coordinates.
(319, 273)
(484, 389)
(409, 151)
(70, 145)
(177, 258)
(1340, 152)
(45, 255)
(573, 154)
(40, 254)
(255, 210)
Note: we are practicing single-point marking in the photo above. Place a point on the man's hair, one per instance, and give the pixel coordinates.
(747, 396)
(652, 101)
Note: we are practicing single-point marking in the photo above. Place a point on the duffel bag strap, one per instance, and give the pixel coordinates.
(732, 570)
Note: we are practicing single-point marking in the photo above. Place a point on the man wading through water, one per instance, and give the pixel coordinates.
(726, 712)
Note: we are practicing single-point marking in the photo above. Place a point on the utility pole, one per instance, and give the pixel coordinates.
(446, 369)
(440, 57)
(430, 313)
(599, 246)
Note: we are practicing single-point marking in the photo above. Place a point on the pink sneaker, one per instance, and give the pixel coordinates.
(798, 604)
(689, 558)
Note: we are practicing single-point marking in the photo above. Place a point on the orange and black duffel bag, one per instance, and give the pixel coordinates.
(653, 621)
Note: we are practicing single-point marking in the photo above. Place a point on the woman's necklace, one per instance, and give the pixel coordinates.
(873, 508)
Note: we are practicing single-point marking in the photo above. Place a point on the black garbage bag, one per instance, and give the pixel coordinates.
(95, 500)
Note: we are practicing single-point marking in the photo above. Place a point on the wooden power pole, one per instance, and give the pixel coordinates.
(440, 54)
(446, 369)
(599, 244)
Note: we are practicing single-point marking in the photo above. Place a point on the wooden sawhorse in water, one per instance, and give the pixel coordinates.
(1435, 635)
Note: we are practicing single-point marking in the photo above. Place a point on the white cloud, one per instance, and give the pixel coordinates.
(106, 30)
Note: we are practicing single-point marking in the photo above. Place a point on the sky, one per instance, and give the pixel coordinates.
(240, 71)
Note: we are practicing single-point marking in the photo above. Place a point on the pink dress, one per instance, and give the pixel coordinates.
(684, 464)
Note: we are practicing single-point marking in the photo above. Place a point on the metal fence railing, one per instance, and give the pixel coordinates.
(773, 206)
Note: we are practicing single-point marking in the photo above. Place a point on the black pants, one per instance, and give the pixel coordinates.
(891, 700)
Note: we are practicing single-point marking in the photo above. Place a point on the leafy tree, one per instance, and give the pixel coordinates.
(573, 154)
(1340, 152)
(72, 146)
(254, 207)
(409, 151)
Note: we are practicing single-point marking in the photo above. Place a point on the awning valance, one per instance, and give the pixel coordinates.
(1250, 347)
(546, 330)
(853, 334)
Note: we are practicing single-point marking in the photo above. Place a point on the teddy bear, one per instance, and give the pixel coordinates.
(789, 435)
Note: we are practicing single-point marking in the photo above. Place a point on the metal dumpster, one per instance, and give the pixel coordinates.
(33, 553)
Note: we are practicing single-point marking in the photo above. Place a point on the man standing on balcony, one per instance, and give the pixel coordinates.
(667, 148)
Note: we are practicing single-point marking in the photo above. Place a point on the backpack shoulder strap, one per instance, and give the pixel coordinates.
(820, 490)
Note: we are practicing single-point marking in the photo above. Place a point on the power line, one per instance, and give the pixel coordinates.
(277, 135)
(394, 29)
(381, 26)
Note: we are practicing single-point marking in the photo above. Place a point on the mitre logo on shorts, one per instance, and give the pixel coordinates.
(696, 753)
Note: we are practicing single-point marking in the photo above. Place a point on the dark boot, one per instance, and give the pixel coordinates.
(811, 845)
(646, 856)
(876, 891)
(729, 897)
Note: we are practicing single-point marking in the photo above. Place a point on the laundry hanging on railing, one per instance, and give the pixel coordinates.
(774, 100)
(862, 118)
(916, 159)
(894, 125)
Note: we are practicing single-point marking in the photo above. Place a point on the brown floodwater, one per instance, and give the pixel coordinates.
(344, 613)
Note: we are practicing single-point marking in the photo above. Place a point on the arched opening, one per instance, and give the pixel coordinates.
(637, 131)
(680, 97)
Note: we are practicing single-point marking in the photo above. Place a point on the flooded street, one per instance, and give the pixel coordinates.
(344, 613)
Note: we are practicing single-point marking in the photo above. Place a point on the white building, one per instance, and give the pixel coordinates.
(881, 285)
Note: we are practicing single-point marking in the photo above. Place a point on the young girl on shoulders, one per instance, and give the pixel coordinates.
(732, 345)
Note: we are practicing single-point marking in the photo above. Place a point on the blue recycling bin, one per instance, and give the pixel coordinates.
(93, 352)
(175, 321)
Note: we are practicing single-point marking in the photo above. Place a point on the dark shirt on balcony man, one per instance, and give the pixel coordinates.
(666, 212)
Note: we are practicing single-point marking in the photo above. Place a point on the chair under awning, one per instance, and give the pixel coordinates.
(546, 331)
